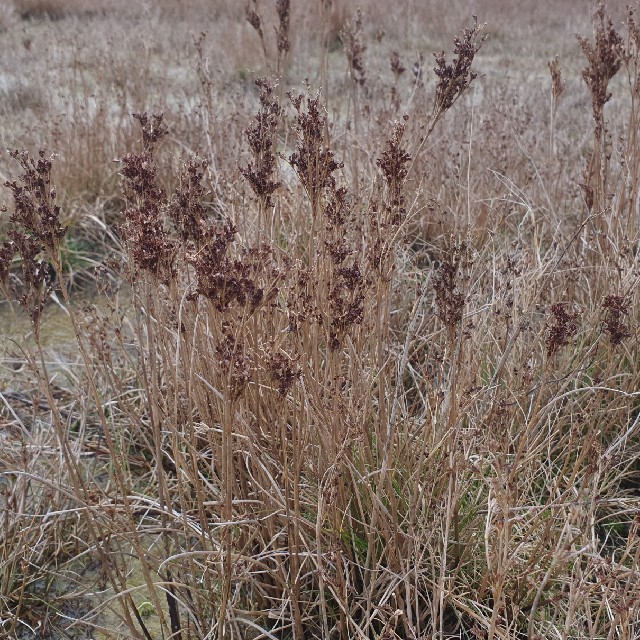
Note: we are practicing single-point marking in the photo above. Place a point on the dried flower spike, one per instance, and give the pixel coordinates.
(261, 137)
(616, 308)
(454, 78)
(604, 59)
(561, 329)
(354, 48)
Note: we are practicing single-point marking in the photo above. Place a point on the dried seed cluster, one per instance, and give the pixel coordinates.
(35, 235)
(455, 77)
(561, 329)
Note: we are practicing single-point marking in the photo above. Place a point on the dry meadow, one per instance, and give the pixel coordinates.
(320, 320)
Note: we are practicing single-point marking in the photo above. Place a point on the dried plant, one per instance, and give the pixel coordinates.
(35, 236)
(558, 86)
(557, 89)
(450, 299)
(7, 253)
(35, 209)
(262, 137)
(313, 160)
(615, 308)
(150, 246)
(283, 43)
(397, 67)
(354, 48)
(393, 165)
(329, 386)
(254, 19)
(561, 329)
(604, 58)
(186, 209)
(454, 78)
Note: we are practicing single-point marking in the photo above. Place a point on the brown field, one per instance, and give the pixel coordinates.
(320, 320)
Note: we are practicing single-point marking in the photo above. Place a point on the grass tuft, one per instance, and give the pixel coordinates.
(359, 353)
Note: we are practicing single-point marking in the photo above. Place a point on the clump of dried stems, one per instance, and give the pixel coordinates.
(308, 420)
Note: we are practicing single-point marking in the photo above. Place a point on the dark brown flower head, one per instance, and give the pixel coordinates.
(7, 251)
(393, 165)
(234, 363)
(561, 328)
(151, 249)
(253, 18)
(210, 262)
(339, 250)
(394, 159)
(300, 301)
(249, 281)
(153, 130)
(632, 49)
(35, 286)
(261, 137)
(346, 303)
(604, 59)
(186, 209)
(450, 301)
(354, 47)
(557, 84)
(35, 234)
(313, 160)
(284, 372)
(337, 209)
(139, 173)
(616, 308)
(34, 208)
(454, 78)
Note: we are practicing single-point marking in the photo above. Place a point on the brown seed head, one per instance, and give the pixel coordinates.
(604, 59)
(616, 308)
(561, 329)
(454, 78)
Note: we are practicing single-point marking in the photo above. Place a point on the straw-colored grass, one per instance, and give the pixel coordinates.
(348, 333)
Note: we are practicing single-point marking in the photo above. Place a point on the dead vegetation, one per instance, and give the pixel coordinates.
(358, 356)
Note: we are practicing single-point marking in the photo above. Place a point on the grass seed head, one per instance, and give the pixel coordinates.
(283, 41)
(153, 130)
(233, 362)
(604, 59)
(396, 65)
(284, 372)
(454, 78)
(313, 160)
(616, 308)
(186, 210)
(561, 328)
(450, 299)
(261, 136)
(150, 246)
(557, 84)
(34, 207)
(354, 48)
(7, 252)
(253, 17)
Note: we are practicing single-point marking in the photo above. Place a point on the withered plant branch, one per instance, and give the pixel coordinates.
(38, 230)
(453, 78)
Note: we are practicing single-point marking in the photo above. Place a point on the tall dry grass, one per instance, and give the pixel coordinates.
(365, 360)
